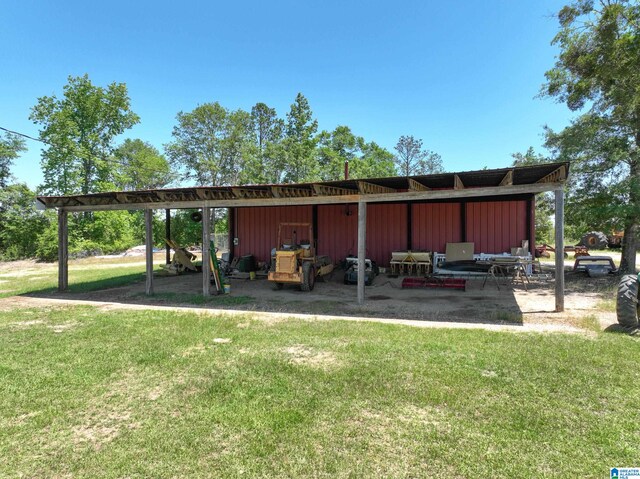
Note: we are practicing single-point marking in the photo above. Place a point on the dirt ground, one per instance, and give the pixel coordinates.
(501, 302)
(589, 302)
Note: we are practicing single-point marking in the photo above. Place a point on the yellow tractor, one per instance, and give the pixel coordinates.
(295, 260)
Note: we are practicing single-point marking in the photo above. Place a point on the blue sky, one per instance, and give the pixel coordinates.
(462, 76)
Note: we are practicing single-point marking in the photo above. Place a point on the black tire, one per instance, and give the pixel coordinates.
(594, 240)
(279, 285)
(308, 276)
(627, 301)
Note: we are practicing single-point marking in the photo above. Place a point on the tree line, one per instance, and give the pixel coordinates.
(210, 145)
(596, 74)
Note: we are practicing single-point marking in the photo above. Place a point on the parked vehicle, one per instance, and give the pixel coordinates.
(295, 260)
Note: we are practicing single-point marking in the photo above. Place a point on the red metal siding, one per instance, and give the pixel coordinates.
(337, 231)
(257, 227)
(434, 225)
(386, 231)
(496, 226)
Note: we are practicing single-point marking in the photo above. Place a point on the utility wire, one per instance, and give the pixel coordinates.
(106, 160)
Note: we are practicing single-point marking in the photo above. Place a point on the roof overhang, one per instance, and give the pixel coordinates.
(484, 183)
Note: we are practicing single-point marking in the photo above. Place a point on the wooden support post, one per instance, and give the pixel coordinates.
(148, 222)
(167, 234)
(362, 248)
(63, 250)
(559, 220)
(206, 266)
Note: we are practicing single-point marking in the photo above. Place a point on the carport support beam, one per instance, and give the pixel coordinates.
(206, 253)
(148, 223)
(559, 227)
(63, 250)
(167, 234)
(362, 248)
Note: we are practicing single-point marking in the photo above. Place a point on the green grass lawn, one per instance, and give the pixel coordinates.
(82, 278)
(89, 393)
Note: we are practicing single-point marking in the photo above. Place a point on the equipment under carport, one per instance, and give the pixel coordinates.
(595, 266)
(182, 259)
(371, 270)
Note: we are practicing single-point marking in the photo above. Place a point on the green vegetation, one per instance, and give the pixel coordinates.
(89, 393)
(82, 279)
(596, 74)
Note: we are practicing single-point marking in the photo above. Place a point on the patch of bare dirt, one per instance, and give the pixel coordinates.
(26, 324)
(301, 354)
(62, 327)
(119, 408)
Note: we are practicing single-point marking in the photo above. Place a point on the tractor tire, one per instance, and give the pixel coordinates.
(279, 285)
(594, 240)
(308, 276)
(627, 301)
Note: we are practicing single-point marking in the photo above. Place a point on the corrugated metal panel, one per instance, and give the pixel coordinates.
(496, 226)
(337, 231)
(257, 227)
(386, 231)
(434, 225)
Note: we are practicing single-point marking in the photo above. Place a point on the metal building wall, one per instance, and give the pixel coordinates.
(257, 227)
(433, 225)
(386, 231)
(496, 226)
(337, 231)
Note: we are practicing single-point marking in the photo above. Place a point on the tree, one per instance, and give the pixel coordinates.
(20, 223)
(141, 166)
(10, 148)
(375, 162)
(211, 144)
(300, 143)
(196, 145)
(598, 70)
(412, 159)
(366, 160)
(79, 130)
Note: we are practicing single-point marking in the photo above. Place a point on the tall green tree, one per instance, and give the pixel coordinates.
(366, 160)
(413, 159)
(196, 144)
(598, 73)
(79, 130)
(265, 161)
(300, 163)
(140, 166)
(211, 144)
(10, 148)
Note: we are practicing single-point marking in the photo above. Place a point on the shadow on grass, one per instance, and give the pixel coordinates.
(619, 329)
(90, 286)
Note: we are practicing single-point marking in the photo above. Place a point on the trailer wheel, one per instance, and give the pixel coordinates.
(308, 276)
(627, 301)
